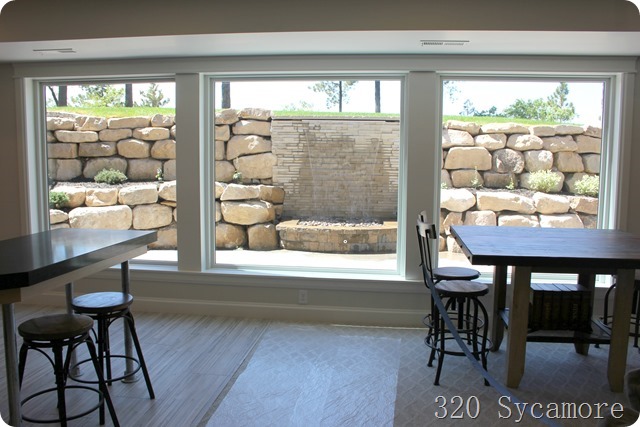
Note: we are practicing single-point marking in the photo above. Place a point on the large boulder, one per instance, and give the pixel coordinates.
(109, 217)
(247, 212)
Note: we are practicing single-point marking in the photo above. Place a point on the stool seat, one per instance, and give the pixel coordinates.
(461, 288)
(101, 302)
(55, 327)
(454, 273)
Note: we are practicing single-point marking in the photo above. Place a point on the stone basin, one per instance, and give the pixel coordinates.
(343, 239)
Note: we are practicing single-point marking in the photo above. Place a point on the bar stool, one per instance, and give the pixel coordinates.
(635, 309)
(56, 332)
(462, 305)
(472, 324)
(105, 308)
(450, 272)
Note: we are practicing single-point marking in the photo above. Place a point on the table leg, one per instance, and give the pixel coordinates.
(68, 291)
(622, 302)
(589, 282)
(518, 323)
(128, 341)
(499, 304)
(11, 364)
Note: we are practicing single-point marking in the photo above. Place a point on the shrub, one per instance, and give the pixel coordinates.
(58, 199)
(545, 181)
(110, 176)
(589, 185)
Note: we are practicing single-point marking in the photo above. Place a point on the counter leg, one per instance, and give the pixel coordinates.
(128, 341)
(499, 304)
(622, 302)
(68, 292)
(11, 364)
(518, 324)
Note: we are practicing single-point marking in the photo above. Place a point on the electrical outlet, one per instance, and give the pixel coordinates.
(302, 297)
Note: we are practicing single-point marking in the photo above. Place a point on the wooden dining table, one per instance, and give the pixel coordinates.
(32, 264)
(585, 252)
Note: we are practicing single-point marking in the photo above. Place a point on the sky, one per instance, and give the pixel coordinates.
(587, 97)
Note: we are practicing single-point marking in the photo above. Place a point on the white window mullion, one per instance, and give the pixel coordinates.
(190, 157)
(422, 112)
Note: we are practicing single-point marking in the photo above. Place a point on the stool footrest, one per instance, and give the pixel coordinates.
(68, 417)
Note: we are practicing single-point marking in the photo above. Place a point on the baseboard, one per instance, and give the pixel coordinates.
(282, 312)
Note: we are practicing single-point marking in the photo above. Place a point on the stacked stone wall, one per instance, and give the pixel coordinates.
(486, 173)
(144, 149)
(486, 176)
(340, 169)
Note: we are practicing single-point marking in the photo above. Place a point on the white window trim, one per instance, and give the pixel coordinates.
(422, 73)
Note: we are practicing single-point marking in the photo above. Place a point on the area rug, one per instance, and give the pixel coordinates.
(323, 375)
(314, 376)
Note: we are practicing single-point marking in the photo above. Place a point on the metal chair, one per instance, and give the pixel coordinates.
(56, 332)
(462, 306)
(451, 272)
(105, 308)
(635, 315)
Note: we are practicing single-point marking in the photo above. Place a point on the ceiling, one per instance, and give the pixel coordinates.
(335, 42)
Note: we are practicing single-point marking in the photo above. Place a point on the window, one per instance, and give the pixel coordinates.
(415, 117)
(306, 172)
(111, 158)
(520, 153)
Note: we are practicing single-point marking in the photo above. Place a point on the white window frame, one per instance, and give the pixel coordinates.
(420, 121)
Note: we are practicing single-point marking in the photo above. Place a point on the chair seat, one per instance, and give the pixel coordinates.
(101, 302)
(461, 288)
(55, 327)
(455, 273)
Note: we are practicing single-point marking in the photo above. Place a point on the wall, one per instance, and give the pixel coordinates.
(74, 19)
(338, 169)
(335, 169)
(12, 222)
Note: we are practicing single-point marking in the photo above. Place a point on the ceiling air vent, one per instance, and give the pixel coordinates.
(55, 50)
(443, 42)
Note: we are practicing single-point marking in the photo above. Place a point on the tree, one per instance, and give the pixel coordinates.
(377, 95)
(99, 96)
(470, 110)
(153, 97)
(556, 108)
(226, 95)
(128, 95)
(337, 92)
(59, 99)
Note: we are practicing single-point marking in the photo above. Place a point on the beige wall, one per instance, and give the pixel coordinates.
(11, 223)
(633, 206)
(76, 19)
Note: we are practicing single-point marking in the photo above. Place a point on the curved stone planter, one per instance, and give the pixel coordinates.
(338, 239)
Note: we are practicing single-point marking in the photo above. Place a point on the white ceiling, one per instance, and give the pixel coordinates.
(352, 42)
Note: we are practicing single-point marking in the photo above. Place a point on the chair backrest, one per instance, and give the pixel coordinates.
(426, 233)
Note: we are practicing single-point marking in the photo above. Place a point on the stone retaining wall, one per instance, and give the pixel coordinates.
(501, 157)
(258, 160)
(144, 149)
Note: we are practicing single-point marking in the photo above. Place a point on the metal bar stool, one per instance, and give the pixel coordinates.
(56, 332)
(105, 308)
(635, 315)
(475, 325)
(462, 304)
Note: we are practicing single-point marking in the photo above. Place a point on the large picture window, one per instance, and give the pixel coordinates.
(307, 173)
(111, 158)
(520, 153)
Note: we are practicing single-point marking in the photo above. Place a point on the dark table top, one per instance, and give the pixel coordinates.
(549, 247)
(34, 258)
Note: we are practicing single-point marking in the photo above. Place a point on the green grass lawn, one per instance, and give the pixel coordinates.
(150, 111)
